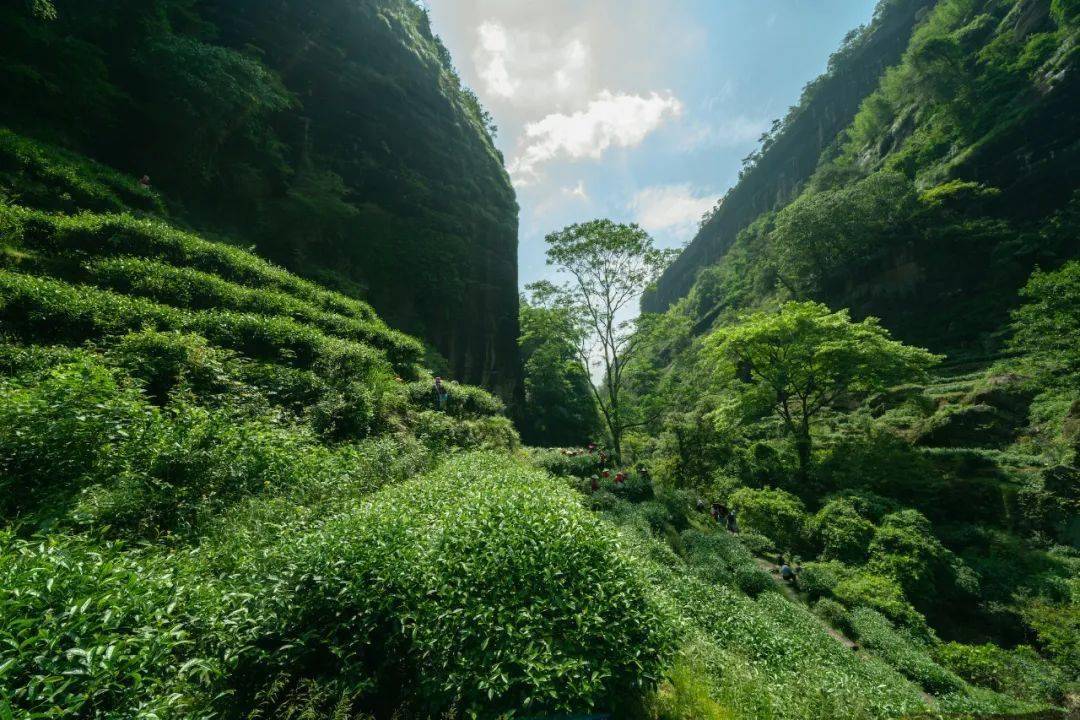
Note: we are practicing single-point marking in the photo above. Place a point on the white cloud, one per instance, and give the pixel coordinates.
(578, 191)
(610, 120)
(674, 209)
(530, 67)
(735, 131)
(491, 54)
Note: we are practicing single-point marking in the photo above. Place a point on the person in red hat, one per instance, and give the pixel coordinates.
(619, 478)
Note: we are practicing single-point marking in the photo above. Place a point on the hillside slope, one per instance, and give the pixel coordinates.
(951, 183)
(338, 140)
(781, 169)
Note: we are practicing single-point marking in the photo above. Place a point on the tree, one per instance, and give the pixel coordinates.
(609, 265)
(559, 408)
(806, 358)
(1047, 326)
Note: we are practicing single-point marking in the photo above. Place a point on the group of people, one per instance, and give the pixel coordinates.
(723, 516)
(602, 460)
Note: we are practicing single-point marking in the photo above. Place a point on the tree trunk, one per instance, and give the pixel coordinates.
(803, 447)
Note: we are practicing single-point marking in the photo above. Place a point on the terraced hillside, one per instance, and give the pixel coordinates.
(335, 139)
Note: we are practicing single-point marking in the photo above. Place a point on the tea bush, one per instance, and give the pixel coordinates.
(560, 462)
(44, 176)
(835, 614)
(87, 630)
(103, 235)
(49, 309)
(463, 401)
(819, 579)
(842, 533)
(193, 289)
(1018, 672)
(903, 653)
(496, 591)
(440, 432)
(776, 514)
(62, 434)
(880, 593)
(905, 548)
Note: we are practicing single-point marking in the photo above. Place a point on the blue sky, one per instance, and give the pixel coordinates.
(637, 111)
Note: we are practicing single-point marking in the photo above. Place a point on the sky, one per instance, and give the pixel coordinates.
(632, 110)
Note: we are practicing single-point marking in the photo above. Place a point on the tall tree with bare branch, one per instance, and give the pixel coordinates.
(608, 266)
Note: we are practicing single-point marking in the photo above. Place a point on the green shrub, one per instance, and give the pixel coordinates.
(50, 309)
(882, 594)
(184, 471)
(905, 549)
(18, 359)
(90, 631)
(760, 645)
(1018, 672)
(685, 695)
(758, 544)
(835, 614)
(842, 533)
(164, 360)
(62, 433)
(906, 655)
(104, 235)
(774, 513)
(463, 401)
(565, 462)
(753, 581)
(193, 289)
(440, 431)
(656, 514)
(496, 591)
(1057, 627)
(47, 177)
(715, 546)
(819, 579)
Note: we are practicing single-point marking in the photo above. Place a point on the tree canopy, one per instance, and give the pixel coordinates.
(559, 407)
(610, 264)
(807, 357)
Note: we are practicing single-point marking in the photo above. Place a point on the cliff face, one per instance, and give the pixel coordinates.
(334, 137)
(920, 180)
(791, 159)
(434, 233)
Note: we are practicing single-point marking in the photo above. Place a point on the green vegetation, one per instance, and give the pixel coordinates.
(227, 491)
(336, 149)
(806, 357)
(559, 408)
(932, 506)
(609, 265)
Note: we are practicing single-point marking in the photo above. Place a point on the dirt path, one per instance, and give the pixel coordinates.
(791, 594)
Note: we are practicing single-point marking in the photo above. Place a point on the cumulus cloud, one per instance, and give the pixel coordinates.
(674, 209)
(610, 120)
(529, 67)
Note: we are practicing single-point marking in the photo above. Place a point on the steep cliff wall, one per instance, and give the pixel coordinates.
(775, 179)
(952, 180)
(434, 235)
(335, 137)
